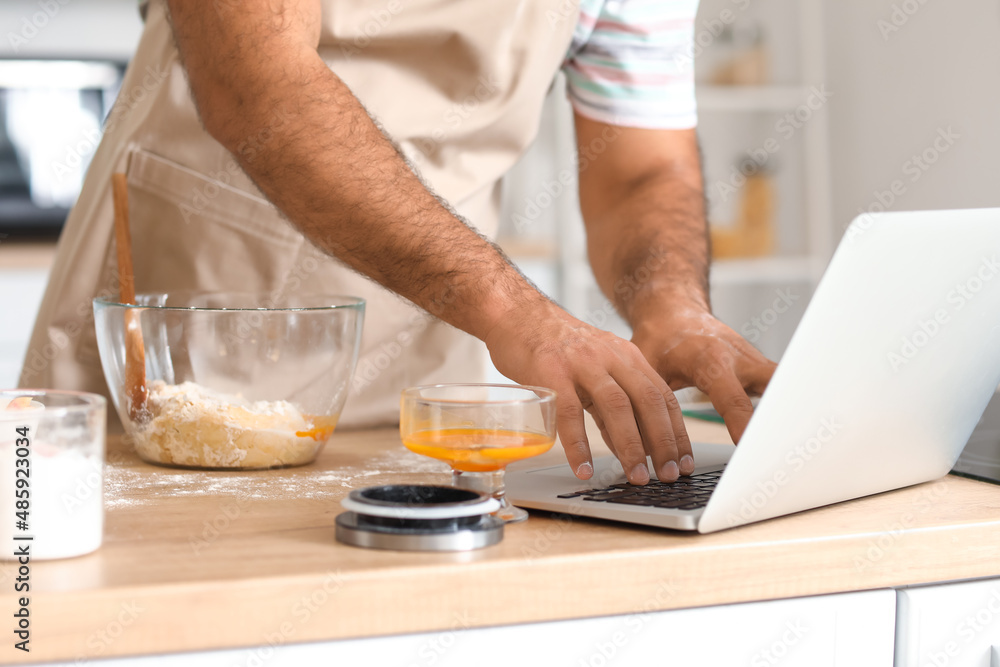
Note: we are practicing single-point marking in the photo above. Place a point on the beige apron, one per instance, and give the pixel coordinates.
(458, 83)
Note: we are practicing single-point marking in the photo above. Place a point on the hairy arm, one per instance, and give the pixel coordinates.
(328, 166)
(643, 203)
(335, 175)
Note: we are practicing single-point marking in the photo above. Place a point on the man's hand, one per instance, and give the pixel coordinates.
(644, 207)
(603, 374)
(690, 348)
(334, 174)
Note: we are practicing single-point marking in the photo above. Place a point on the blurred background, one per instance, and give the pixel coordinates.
(811, 113)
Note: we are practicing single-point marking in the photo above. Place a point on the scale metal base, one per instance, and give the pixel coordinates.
(412, 517)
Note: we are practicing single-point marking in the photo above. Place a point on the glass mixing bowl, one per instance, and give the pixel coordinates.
(232, 380)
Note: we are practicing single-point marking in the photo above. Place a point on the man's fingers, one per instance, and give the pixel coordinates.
(615, 408)
(659, 427)
(678, 382)
(604, 431)
(759, 376)
(685, 458)
(573, 433)
(732, 403)
(686, 461)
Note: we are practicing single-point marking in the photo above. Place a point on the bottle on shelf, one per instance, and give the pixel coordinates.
(751, 234)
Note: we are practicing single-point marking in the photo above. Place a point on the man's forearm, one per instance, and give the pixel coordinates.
(645, 212)
(330, 169)
(648, 241)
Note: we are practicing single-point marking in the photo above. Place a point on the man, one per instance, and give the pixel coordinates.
(264, 109)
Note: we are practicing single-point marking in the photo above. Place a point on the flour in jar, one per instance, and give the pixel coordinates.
(191, 425)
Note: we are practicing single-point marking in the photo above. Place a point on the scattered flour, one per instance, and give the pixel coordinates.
(127, 486)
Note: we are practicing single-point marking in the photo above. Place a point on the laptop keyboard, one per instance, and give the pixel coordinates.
(687, 493)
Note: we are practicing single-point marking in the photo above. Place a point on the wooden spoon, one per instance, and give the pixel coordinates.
(135, 352)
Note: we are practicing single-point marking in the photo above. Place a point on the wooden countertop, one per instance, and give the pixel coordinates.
(201, 560)
(17, 254)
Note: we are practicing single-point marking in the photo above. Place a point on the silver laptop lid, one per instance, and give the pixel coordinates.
(887, 374)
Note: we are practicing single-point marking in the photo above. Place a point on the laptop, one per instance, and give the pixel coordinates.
(887, 374)
(981, 457)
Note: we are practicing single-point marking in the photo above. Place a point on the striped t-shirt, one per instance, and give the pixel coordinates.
(630, 63)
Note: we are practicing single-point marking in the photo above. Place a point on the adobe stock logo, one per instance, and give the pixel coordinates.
(759, 325)
(928, 329)
(30, 26)
(793, 633)
(900, 16)
(795, 460)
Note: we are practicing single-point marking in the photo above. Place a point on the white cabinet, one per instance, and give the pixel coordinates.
(847, 630)
(949, 625)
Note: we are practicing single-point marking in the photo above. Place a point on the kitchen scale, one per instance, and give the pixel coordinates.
(415, 517)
